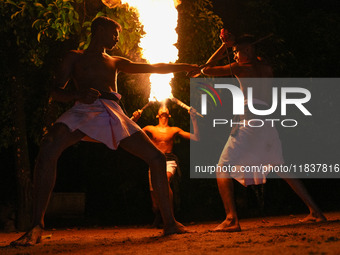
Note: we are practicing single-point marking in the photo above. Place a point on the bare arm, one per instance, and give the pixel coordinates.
(183, 134)
(227, 70)
(127, 66)
(195, 136)
(212, 70)
(218, 54)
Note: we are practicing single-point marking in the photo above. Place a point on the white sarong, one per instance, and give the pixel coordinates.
(252, 146)
(103, 121)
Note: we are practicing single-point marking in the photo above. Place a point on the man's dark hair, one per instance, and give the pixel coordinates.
(245, 39)
(104, 22)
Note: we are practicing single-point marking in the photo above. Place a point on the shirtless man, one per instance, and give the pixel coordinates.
(246, 143)
(94, 117)
(163, 137)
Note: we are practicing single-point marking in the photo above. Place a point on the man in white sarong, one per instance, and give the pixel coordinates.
(96, 116)
(250, 146)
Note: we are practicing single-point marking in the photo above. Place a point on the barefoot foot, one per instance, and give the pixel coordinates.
(314, 217)
(176, 228)
(31, 237)
(158, 222)
(229, 225)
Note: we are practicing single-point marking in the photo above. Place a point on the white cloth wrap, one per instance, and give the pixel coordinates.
(103, 121)
(252, 146)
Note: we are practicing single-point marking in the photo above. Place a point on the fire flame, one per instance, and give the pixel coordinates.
(159, 18)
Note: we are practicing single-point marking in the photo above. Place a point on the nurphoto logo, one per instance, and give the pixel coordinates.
(301, 97)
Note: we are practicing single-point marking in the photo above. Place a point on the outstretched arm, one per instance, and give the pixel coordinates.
(127, 66)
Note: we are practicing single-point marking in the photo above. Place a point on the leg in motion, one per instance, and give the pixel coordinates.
(315, 214)
(140, 145)
(226, 189)
(52, 145)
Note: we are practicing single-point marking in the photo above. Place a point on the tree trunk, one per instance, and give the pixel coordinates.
(23, 171)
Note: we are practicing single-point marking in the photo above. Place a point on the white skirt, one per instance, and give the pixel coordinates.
(103, 121)
(252, 146)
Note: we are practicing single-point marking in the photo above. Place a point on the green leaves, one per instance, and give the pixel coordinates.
(198, 31)
(56, 20)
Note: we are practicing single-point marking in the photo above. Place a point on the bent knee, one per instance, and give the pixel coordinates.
(47, 141)
(52, 143)
(48, 148)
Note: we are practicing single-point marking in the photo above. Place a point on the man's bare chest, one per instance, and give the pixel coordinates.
(87, 66)
(163, 134)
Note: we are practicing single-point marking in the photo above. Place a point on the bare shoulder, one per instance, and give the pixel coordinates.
(148, 128)
(122, 64)
(73, 55)
(175, 129)
(77, 52)
(120, 60)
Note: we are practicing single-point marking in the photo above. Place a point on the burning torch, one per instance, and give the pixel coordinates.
(173, 99)
(137, 116)
(183, 105)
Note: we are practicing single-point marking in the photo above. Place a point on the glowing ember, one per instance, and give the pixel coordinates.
(159, 18)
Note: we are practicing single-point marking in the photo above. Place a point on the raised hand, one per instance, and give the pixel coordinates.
(227, 38)
(136, 115)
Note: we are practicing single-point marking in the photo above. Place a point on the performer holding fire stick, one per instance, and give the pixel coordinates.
(140, 111)
(172, 98)
(183, 105)
(97, 117)
(246, 145)
(163, 137)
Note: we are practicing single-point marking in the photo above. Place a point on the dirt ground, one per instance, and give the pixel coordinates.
(279, 235)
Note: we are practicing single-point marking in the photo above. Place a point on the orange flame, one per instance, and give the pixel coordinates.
(159, 18)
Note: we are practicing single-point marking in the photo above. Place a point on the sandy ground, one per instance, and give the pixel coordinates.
(270, 235)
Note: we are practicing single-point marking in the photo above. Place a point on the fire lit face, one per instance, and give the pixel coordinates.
(242, 53)
(111, 37)
(163, 113)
